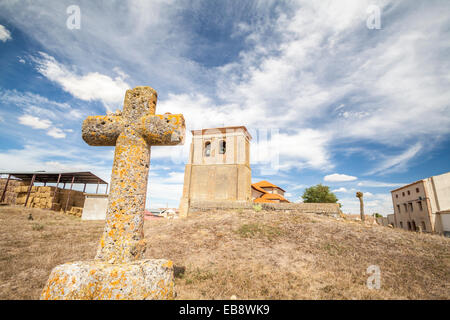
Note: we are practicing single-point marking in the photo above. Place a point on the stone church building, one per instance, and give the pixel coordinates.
(218, 168)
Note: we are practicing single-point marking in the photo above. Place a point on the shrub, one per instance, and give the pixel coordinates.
(257, 207)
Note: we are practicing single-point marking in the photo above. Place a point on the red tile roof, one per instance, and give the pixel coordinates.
(254, 186)
(266, 184)
(274, 196)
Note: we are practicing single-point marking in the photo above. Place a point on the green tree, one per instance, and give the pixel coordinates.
(319, 194)
(377, 215)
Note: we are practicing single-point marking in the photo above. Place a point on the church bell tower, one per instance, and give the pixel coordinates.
(218, 167)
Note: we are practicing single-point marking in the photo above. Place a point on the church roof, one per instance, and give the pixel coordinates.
(267, 184)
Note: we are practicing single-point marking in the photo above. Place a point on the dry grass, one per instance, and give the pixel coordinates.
(253, 255)
(29, 249)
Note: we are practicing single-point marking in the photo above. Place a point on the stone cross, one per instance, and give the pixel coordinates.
(132, 132)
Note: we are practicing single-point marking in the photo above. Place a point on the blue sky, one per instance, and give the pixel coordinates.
(354, 108)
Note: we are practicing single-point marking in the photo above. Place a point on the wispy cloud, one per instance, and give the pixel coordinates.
(28, 99)
(378, 184)
(397, 162)
(88, 87)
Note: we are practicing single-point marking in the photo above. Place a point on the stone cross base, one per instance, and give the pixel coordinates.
(150, 279)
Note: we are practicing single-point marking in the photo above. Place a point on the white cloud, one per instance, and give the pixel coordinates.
(337, 177)
(38, 123)
(89, 87)
(341, 189)
(34, 122)
(56, 133)
(5, 35)
(38, 156)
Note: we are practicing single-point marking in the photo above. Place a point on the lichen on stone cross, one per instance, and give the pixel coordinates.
(132, 133)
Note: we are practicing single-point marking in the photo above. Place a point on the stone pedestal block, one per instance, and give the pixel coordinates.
(150, 279)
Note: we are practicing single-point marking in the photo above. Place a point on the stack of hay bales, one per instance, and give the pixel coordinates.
(21, 194)
(76, 199)
(40, 197)
(10, 195)
(75, 211)
(43, 197)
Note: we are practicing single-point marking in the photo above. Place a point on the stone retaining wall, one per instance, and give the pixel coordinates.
(321, 208)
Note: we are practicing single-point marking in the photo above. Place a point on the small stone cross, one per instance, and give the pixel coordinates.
(132, 132)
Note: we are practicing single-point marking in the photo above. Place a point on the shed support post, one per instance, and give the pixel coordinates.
(4, 190)
(29, 189)
(56, 190)
(68, 196)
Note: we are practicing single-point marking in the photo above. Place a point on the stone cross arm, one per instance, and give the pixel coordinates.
(157, 130)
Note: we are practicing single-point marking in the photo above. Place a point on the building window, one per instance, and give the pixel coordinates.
(398, 208)
(413, 226)
(403, 194)
(411, 207)
(417, 190)
(207, 148)
(222, 146)
(420, 205)
(424, 227)
(406, 207)
(409, 225)
(401, 224)
(396, 195)
(409, 192)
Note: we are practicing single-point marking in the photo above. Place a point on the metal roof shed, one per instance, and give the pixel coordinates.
(53, 177)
